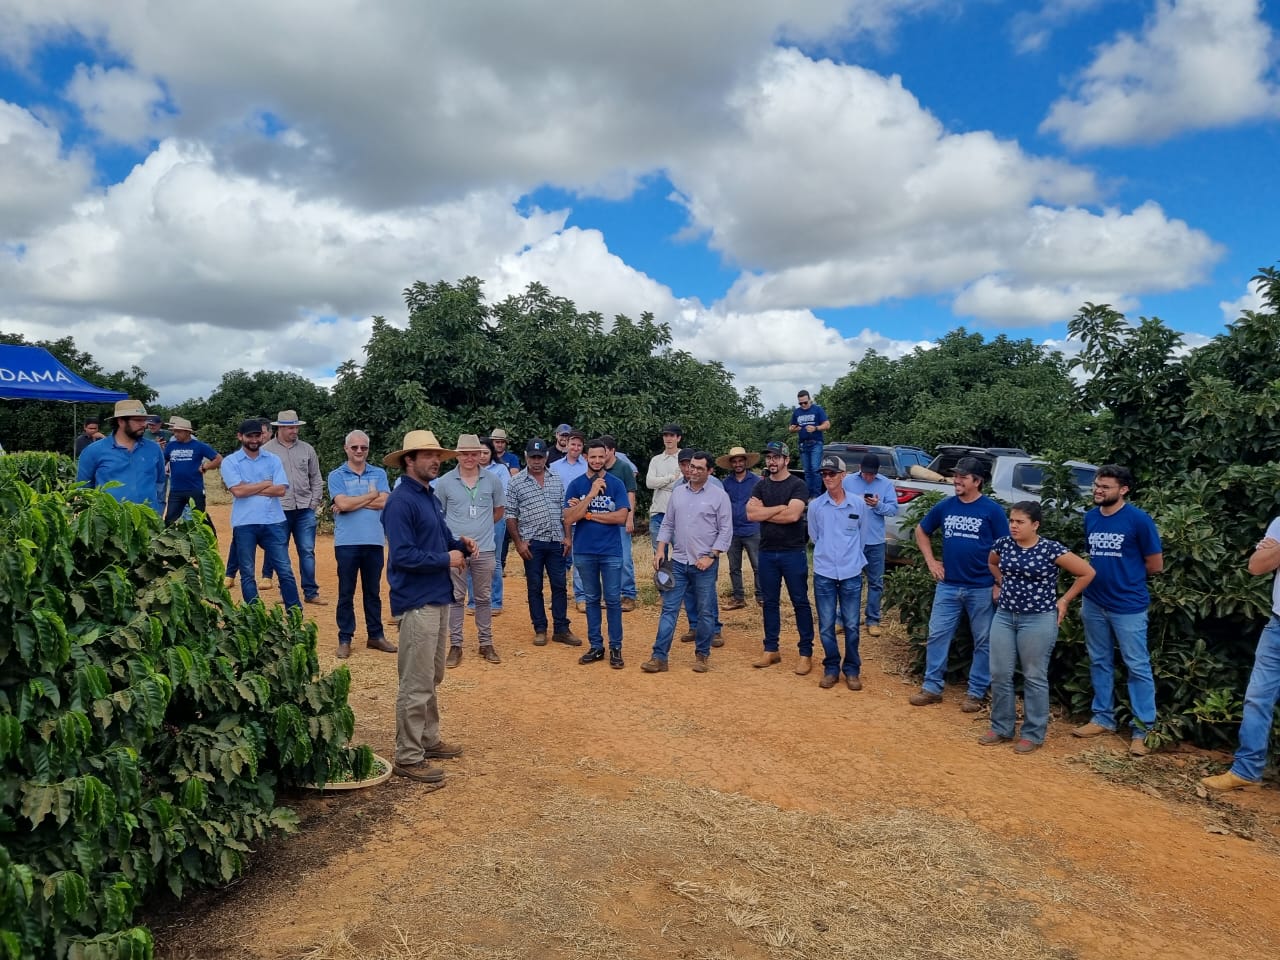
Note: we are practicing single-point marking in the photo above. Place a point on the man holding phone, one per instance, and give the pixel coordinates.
(881, 500)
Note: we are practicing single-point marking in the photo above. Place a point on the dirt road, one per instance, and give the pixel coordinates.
(740, 813)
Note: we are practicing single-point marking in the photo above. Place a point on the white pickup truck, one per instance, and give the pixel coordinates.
(1015, 475)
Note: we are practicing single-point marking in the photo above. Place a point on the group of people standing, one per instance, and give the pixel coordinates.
(572, 506)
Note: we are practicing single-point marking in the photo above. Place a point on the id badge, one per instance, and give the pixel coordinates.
(473, 511)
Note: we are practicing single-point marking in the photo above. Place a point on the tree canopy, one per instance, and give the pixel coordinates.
(526, 364)
(996, 393)
(263, 393)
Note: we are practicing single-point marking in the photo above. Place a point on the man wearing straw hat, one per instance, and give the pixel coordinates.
(125, 456)
(422, 554)
(305, 494)
(473, 503)
(746, 533)
(189, 459)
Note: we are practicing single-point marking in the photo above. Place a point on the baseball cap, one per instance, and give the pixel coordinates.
(664, 577)
(831, 462)
(870, 463)
(250, 426)
(673, 428)
(563, 428)
(536, 447)
(776, 447)
(685, 455)
(971, 467)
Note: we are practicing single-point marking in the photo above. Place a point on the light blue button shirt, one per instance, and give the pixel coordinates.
(240, 468)
(836, 532)
(872, 520)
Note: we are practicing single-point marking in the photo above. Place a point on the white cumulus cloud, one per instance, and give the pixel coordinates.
(117, 102)
(1196, 65)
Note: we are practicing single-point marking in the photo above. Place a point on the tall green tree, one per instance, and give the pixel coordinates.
(53, 425)
(528, 363)
(263, 393)
(991, 393)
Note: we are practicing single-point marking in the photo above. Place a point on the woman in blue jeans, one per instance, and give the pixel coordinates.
(1025, 626)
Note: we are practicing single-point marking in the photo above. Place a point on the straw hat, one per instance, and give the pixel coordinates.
(288, 418)
(724, 464)
(179, 423)
(128, 408)
(469, 443)
(498, 434)
(414, 441)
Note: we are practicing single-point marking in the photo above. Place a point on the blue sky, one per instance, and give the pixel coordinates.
(788, 187)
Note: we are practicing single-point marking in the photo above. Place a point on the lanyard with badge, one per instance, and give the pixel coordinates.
(472, 492)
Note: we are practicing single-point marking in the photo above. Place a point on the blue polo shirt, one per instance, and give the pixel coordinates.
(589, 537)
(568, 472)
(238, 468)
(363, 527)
(139, 471)
(418, 545)
(1118, 549)
(836, 532)
(969, 530)
(184, 464)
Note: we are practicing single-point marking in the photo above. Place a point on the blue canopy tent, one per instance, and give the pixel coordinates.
(33, 373)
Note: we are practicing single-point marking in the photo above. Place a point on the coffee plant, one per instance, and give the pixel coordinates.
(1201, 432)
(146, 721)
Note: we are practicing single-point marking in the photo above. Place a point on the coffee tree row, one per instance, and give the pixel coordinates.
(146, 721)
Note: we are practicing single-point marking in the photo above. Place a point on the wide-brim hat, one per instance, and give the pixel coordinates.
(128, 408)
(468, 443)
(288, 418)
(724, 464)
(179, 423)
(414, 441)
(497, 434)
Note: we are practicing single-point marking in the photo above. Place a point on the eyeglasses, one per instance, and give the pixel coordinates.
(356, 446)
(827, 474)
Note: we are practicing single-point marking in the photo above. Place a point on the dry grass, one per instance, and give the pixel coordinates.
(677, 871)
(1177, 779)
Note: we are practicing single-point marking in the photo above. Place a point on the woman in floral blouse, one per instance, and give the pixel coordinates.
(1025, 627)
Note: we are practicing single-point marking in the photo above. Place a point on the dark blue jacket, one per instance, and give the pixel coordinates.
(418, 545)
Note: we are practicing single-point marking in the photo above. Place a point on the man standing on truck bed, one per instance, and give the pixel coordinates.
(1124, 547)
(970, 523)
(809, 420)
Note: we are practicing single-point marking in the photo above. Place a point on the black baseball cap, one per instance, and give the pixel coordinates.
(537, 447)
(870, 463)
(250, 426)
(673, 428)
(971, 467)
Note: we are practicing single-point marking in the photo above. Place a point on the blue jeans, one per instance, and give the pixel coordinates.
(301, 525)
(793, 567)
(364, 561)
(271, 536)
(691, 607)
(737, 545)
(847, 596)
(1024, 639)
(874, 572)
(949, 602)
(810, 459)
(1103, 632)
(655, 525)
(547, 556)
(689, 582)
(1259, 704)
(602, 576)
(628, 565)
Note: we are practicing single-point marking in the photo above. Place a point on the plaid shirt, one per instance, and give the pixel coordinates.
(537, 509)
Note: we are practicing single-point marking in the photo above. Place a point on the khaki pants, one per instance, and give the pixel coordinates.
(481, 566)
(424, 641)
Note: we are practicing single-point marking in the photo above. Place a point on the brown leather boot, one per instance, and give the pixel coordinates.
(768, 659)
(700, 664)
(803, 666)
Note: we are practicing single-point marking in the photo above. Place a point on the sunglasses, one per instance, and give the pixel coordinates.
(356, 446)
(828, 473)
